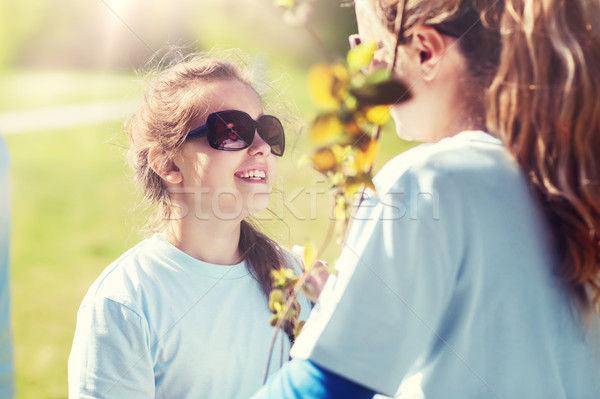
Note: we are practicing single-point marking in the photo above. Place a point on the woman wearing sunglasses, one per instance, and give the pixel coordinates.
(475, 272)
(184, 313)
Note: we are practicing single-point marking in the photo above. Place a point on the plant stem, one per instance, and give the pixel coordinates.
(286, 309)
(281, 353)
(362, 194)
(327, 238)
(320, 43)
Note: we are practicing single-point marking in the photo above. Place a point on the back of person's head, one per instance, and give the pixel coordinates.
(476, 30)
(537, 65)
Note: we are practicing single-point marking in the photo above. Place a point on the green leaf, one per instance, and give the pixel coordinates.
(377, 75)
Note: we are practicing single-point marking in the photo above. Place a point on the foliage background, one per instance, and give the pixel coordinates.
(75, 208)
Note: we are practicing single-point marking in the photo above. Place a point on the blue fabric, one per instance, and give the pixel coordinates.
(305, 379)
(6, 347)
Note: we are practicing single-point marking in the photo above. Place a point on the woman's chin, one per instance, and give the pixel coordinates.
(260, 202)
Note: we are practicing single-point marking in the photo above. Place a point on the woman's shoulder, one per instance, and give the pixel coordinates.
(124, 277)
(462, 159)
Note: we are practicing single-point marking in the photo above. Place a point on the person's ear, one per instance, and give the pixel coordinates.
(430, 47)
(164, 166)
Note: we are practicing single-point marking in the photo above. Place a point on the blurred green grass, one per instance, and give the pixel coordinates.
(75, 210)
(25, 89)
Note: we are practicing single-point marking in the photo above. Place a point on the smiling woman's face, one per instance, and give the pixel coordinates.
(228, 185)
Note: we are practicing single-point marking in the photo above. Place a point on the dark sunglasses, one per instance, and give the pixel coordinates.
(234, 131)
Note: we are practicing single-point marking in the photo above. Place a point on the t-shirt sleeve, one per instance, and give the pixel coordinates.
(395, 274)
(110, 357)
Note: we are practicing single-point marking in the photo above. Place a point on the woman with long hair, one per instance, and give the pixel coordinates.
(184, 314)
(475, 272)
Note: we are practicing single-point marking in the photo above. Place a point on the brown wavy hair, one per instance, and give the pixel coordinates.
(545, 104)
(538, 63)
(170, 104)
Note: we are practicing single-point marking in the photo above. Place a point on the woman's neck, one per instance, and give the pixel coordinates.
(207, 240)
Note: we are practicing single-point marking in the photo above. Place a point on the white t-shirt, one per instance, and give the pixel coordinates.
(447, 286)
(160, 324)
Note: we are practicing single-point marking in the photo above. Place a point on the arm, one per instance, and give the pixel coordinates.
(110, 357)
(305, 379)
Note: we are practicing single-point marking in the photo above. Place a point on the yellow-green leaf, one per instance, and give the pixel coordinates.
(340, 208)
(337, 179)
(327, 85)
(276, 298)
(285, 3)
(298, 328)
(324, 160)
(341, 151)
(283, 277)
(365, 157)
(325, 129)
(291, 313)
(361, 56)
(378, 115)
(350, 103)
(362, 180)
(310, 254)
